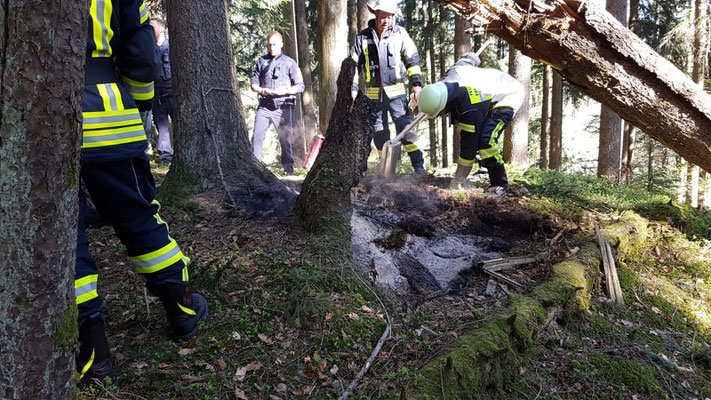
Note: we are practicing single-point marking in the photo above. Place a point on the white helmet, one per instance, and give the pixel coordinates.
(389, 6)
(433, 99)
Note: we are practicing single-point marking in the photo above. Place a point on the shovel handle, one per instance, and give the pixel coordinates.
(408, 128)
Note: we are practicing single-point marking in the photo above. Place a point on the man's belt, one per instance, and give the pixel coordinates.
(100, 70)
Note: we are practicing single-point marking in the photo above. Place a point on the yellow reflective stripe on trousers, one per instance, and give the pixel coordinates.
(139, 90)
(395, 90)
(143, 12)
(490, 152)
(186, 310)
(159, 259)
(372, 92)
(414, 70)
(100, 11)
(88, 364)
(157, 216)
(467, 127)
(186, 276)
(465, 163)
(411, 147)
(495, 133)
(85, 288)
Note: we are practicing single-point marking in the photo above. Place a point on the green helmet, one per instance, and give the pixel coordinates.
(433, 99)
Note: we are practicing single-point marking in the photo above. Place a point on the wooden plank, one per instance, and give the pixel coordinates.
(615, 279)
(500, 264)
(606, 264)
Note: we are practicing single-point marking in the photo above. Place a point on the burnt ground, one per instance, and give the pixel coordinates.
(287, 322)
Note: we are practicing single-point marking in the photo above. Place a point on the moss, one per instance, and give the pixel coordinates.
(628, 236)
(73, 176)
(482, 361)
(529, 317)
(67, 332)
(633, 374)
(573, 281)
(174, 191)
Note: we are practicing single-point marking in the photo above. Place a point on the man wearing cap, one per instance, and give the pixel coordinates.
(386, 54)
(482, 101)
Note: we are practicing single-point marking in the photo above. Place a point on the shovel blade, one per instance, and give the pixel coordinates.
(389, 158)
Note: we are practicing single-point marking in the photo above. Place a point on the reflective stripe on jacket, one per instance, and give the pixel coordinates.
(120, 68)
(383, 63)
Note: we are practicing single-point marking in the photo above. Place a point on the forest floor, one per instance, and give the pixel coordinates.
(292, 318)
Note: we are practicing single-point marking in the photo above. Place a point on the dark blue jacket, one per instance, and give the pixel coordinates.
(164, 73)
(120, 68)
(274, 73)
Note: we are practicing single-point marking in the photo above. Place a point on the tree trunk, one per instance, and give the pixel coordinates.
(700, 42)
(516, 134)
(324, 205)
(545, 119)
(211, 145)
(556, 145)
(41, 75)
(650, 164)
(307, 97)
(291, 49)
(707, 191)
(333, 33)
(694, 187)
(607, 61)
(627, 152)
(443, 14)
(364, 14)
(609, 158)
(683, 179)
(462, 44)
(352, 20)
(428, 13)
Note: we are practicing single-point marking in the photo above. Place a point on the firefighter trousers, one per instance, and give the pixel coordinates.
(398, 110)
(124, 194)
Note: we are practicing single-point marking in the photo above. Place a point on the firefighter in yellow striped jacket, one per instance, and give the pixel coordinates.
(482, 101)
(120, 68)
(386, 54)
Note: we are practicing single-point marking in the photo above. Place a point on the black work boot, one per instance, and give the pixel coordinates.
(93, 360)
(418, 161)
(497, 175)
(184, 308)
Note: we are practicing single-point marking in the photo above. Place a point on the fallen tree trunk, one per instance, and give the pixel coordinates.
(606, 60)
(324, 204)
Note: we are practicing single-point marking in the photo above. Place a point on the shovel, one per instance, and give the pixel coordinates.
(392, 149)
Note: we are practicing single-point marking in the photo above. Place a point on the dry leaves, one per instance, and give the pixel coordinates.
(241, 372)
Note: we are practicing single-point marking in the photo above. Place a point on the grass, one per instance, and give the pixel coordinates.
(297, 305)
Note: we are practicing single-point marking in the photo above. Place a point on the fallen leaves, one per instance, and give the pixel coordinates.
(241, 372)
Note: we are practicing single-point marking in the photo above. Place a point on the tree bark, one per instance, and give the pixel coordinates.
(609, 159)
(608, 62)
(545, 119)
(333, 32)
(428, 13)
(556, 136)
(307, 97)
(443, 19)
(352, 20)
(291, 49)
(364, 14)
(683, 179)
(628, 139)
(694, 187)
(211, 145)
(516, 134)
(42, 55)
(324, 205)
(650, 164)
(462, 44)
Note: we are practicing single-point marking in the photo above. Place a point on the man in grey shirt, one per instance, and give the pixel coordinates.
(277, 78)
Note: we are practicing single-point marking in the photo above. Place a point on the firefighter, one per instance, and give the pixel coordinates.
(482, 101)
(385, 55)
(163, 99)
(120, 66)
(277, 79)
